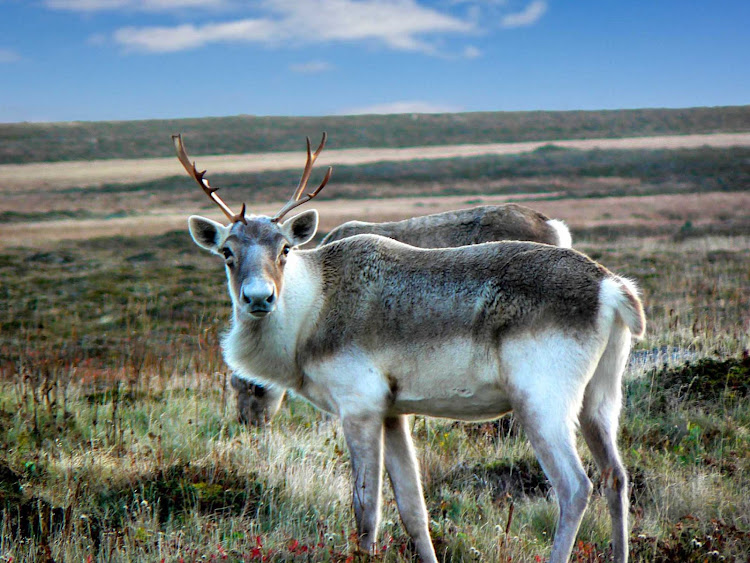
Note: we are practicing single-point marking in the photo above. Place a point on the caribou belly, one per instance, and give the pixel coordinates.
(453, 379)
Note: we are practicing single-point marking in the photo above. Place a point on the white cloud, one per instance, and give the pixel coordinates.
(87, 5)
(8, 56)
(311, 67)
(394, 22)
(132, 5)
(401, 107)
(529, 16)
(188, 36)
(397, 24)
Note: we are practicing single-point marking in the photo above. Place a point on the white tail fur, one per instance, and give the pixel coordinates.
(564, 239)
(624, 296)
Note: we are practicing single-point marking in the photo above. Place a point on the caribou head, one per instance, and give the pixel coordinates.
(255, 248)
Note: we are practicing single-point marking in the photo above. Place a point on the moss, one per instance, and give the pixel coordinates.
(516, 477)
(27, 515)
(705, 381)
(693, 541)
(180, 489)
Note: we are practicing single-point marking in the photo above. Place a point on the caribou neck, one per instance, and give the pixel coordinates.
(265, 349)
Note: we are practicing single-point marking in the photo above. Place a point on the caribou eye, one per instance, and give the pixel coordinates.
(228, 256)
(286, 249)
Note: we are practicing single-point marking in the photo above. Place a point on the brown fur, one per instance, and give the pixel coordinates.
(458, 228)
(377, 291)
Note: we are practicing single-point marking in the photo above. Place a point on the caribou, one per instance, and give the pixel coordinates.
(257, 405)
(372, 330)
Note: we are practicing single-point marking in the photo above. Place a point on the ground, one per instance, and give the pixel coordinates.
(119, 440)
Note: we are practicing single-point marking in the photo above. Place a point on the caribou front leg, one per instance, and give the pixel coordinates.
(364, 438)
(401, 464)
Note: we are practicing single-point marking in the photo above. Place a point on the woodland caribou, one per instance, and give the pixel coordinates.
(257, 404)
(373, 330)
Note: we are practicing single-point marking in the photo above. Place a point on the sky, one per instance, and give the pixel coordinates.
(91, 60)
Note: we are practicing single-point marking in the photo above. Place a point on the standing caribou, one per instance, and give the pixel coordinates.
(257, 404)
(373, 330)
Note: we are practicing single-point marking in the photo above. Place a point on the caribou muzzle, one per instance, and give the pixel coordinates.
(259, 298)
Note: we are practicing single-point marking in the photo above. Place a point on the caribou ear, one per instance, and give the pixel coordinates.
(301, 228)
(206, 233)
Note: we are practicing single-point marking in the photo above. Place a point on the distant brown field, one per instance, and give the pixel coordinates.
(117, 171)
(653, 213)
(70, 191)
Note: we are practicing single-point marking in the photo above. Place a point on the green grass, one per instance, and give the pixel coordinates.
(696, 291)
(182, 479)
(38, 142)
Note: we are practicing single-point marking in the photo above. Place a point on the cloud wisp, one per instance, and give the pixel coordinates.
(311, 67)
(405, 106)
(402, 25)
(133, 5)
(526, 17)
(189, 36)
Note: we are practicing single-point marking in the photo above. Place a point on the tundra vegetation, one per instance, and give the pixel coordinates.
(42, 142)
(119, 440)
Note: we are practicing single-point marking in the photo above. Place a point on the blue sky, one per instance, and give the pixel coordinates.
(63, 60)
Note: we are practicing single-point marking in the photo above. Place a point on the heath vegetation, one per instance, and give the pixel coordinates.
(40, 142)
(119, 440)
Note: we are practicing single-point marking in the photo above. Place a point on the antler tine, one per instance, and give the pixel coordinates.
(203, 182)
(295, 201)
(311, 158)
(291, 204)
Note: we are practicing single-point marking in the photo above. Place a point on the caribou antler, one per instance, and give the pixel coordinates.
(295, 201)
(203, 182)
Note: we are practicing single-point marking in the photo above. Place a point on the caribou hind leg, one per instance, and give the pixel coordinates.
(599, 422)
(553, 441)
(548, 411)
(600, 438)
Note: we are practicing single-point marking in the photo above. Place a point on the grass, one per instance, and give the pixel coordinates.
(119, 440)
(40, 142)
(182, 480)
(644, 172)
(697, 291)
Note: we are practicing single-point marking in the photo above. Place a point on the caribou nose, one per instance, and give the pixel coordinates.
(259, 296)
